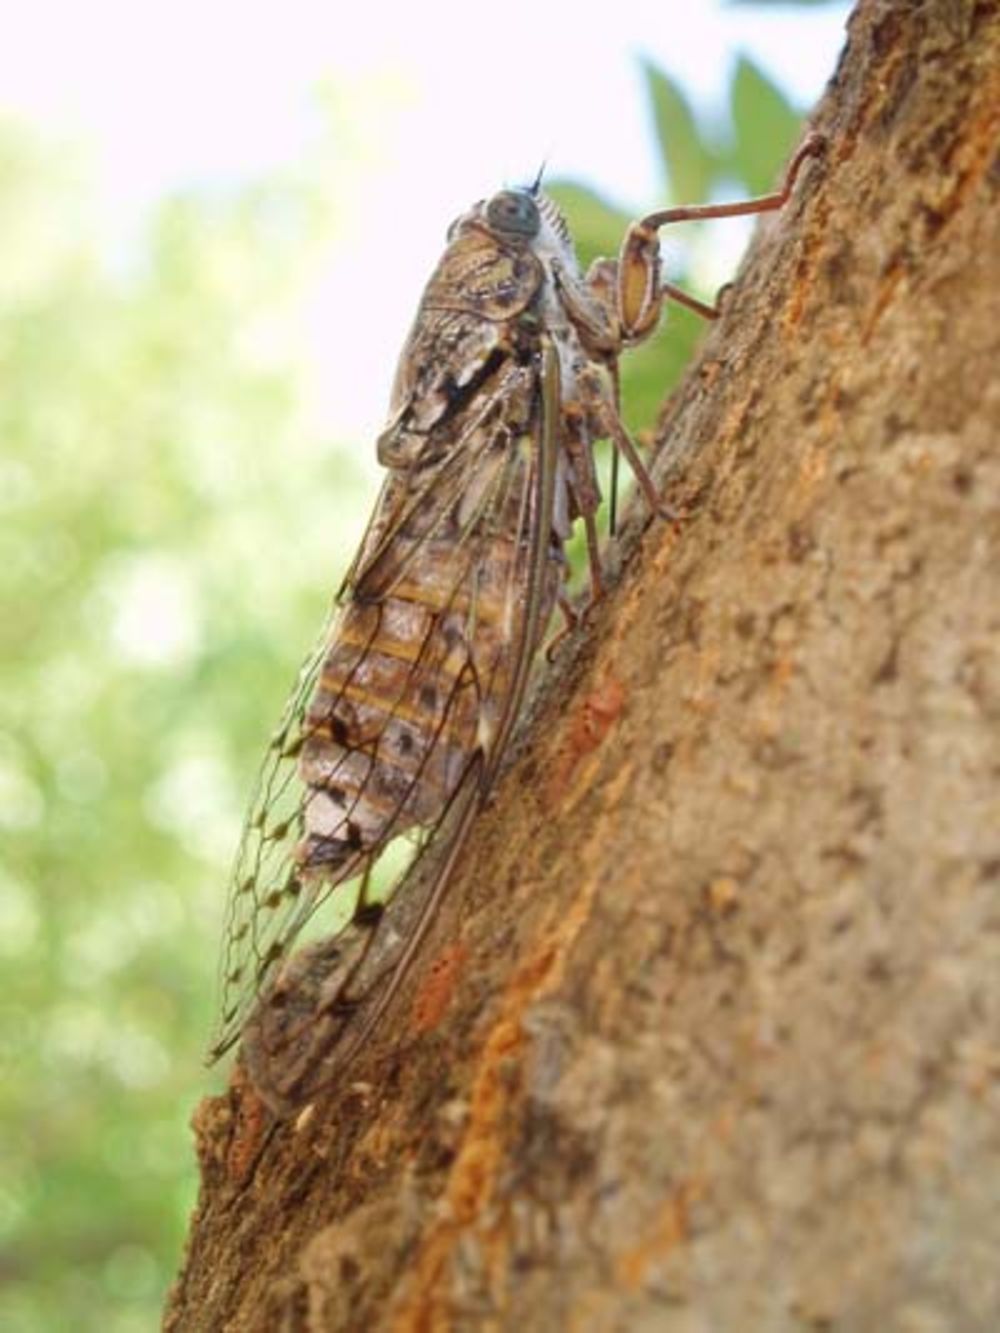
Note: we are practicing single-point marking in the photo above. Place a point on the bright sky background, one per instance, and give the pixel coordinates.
(448, 101)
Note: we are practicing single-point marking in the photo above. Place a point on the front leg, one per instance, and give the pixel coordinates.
(592, 306)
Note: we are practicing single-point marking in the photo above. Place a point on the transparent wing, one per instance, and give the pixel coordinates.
(263, 878)
(460, 554)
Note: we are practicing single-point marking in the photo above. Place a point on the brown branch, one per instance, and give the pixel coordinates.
(707, 1035)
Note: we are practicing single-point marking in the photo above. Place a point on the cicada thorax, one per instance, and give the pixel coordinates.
(481, 276)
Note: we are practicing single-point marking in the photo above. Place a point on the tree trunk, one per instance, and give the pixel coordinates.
(707, 1036)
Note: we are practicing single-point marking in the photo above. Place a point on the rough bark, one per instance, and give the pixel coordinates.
(708, 1034)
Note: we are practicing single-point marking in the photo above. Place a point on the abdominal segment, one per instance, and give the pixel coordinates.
(411, 687)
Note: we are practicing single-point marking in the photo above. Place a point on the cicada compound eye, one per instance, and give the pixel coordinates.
(513, 213)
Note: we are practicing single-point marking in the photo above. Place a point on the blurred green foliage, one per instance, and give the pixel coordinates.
(172, 529)
(166, 540)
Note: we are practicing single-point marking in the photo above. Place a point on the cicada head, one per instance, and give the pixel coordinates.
(530, 218)
(520, 218)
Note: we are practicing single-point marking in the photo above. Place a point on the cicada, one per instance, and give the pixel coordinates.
(403, 715)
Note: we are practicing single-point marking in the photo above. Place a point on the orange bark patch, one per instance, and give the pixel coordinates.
(587, 727)
(437, 988)
(251, 1122)
(803, 280)
(471, 1182)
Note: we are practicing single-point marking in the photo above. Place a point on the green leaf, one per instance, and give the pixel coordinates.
(688, 164)
(766, 126)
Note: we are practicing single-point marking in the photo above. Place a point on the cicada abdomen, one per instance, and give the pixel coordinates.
(413, 682)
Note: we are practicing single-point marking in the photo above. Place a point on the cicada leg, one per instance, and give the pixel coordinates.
(640, 292)
(622, 441)
(629, 295)
(571, 618)
(689, 302)
(583, 484)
